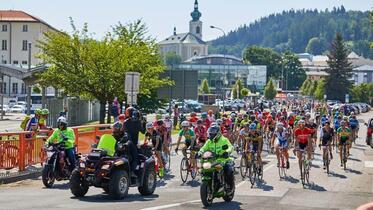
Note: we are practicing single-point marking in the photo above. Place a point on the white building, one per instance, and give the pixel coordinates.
(363, 74)
(18, 32)
(189, 44)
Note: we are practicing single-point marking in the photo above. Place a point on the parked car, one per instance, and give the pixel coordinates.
(22, 103)
(12, 103)
(18, 109)
(5, 108)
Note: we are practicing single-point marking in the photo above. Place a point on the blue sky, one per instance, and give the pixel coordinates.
(162, 15)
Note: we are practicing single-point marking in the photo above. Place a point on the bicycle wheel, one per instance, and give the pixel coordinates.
(302, 174)
(327, 162)
(260, 172)
(252, 172)
(184, 165)
(306, 173)
(243, 166)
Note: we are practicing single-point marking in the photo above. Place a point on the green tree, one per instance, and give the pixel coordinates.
(305, 86)
(256, 55)
(337, 83)
(245, 92)
(317, 46)
(205, 89)
(269, 90)
(236, 89)
(85, 67)
(320, 90)
(171, 58)
(293, 72)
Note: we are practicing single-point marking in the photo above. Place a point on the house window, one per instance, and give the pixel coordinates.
(15, 88)
(4, 28)
(4, 45)
(4, 61)
(23, 89)
(24, 62)
(24, 45)
(25, 28)
(15, 62)
(198, 30)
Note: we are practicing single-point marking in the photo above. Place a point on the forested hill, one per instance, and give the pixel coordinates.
(294, 30)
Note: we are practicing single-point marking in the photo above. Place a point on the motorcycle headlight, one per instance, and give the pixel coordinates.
(82, 165)
(206, 165)
(49, 154)
(105, 167)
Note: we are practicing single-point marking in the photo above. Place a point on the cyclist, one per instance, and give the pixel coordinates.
(343, 133)
(269, 129)
(324, 119)
(43, 117)
(64, 134)
(326, 139)
(168, 138)
(201, 133)
(243, 137)
(281, 135)
(354, 125)
(210, 116)
(190, 140)
(193, 119)
(303, 140)
(223, 129)
(255, 141)
(155, 137)
(205, 120)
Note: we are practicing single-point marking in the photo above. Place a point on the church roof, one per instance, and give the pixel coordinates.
(184, 38)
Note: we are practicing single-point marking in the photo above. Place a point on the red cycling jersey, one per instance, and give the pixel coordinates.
(201, 133)
(302, 134)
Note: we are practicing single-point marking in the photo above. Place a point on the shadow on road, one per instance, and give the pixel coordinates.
(64, 186)
(192, 183)
(353, 171)
(317, 187)
(291, 179)
(354, 159)
(105, 198)
(234, 205)
(341, 176)
(264, 186)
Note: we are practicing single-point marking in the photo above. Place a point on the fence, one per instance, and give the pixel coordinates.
(79, 111)
(21, 149)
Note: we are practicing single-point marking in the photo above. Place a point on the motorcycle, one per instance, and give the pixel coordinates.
(56, 166)
(214, 184)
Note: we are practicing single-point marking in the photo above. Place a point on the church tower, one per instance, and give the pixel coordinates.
(195, 25)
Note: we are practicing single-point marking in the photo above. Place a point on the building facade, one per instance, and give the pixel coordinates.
(362, 74)
(19, 33)
(189, 44)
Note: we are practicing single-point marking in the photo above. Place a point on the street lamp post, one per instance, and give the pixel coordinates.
(29, 86)
(217, 28)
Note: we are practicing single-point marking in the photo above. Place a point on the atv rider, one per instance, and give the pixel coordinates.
(67, 136)
(133, 126)
(215, 144)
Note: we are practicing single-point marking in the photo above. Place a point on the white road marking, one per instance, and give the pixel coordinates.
(368, 164)
(170, 205)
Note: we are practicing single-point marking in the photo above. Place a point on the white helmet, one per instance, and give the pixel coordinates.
(149, 125)
(62, 120)
(185, 124)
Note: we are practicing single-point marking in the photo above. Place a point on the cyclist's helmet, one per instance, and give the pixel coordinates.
(343, 122)
(252, 126)
(38, 111)
(149, 125)
(252, 117)
(214, 132)
(185, 124)
(45, 112)
(193, 114)
(279, 125)
(199, 122)
(308, 114)
(129, 111)
(160, 123)
(233, 115)
(204, 115)
(166, 117)
(117, 126)
(352, 113)
(122, 117)
(301, 122)
(219, 121)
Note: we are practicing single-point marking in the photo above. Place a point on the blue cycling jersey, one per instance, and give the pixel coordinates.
(354, 123)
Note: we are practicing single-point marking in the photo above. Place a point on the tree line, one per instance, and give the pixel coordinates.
(301, 31)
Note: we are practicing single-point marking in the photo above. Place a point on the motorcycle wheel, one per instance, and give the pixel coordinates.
(228, 197)
(119, 184)
(47, 176)
(205, 192)
(78, 186)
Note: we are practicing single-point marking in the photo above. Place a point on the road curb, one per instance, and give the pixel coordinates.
(20, 177)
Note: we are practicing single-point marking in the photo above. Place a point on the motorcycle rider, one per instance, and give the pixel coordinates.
(67, 136)
(215, 144)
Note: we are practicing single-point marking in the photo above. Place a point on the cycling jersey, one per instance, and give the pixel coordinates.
(154, 136)
(326, 135)
(354, 123)
(344, 133)
(188, 135)
(302, 134)
(201, 133)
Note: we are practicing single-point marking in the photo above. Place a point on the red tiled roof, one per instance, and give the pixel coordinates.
(14, 15)
(20, 16)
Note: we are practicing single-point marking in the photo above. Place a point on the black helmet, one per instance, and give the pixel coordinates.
(199, 122)
(252, 117)
(214, 132)
(160, 122)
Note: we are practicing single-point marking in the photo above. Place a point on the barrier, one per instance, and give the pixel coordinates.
(25, 148)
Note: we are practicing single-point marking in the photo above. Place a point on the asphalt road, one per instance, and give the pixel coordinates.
(339, 190)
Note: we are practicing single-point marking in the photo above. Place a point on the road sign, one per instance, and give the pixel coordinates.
(347, 99)
(132, 98)
(132, 83)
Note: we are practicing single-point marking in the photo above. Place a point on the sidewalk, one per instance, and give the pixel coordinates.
(14, 175)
